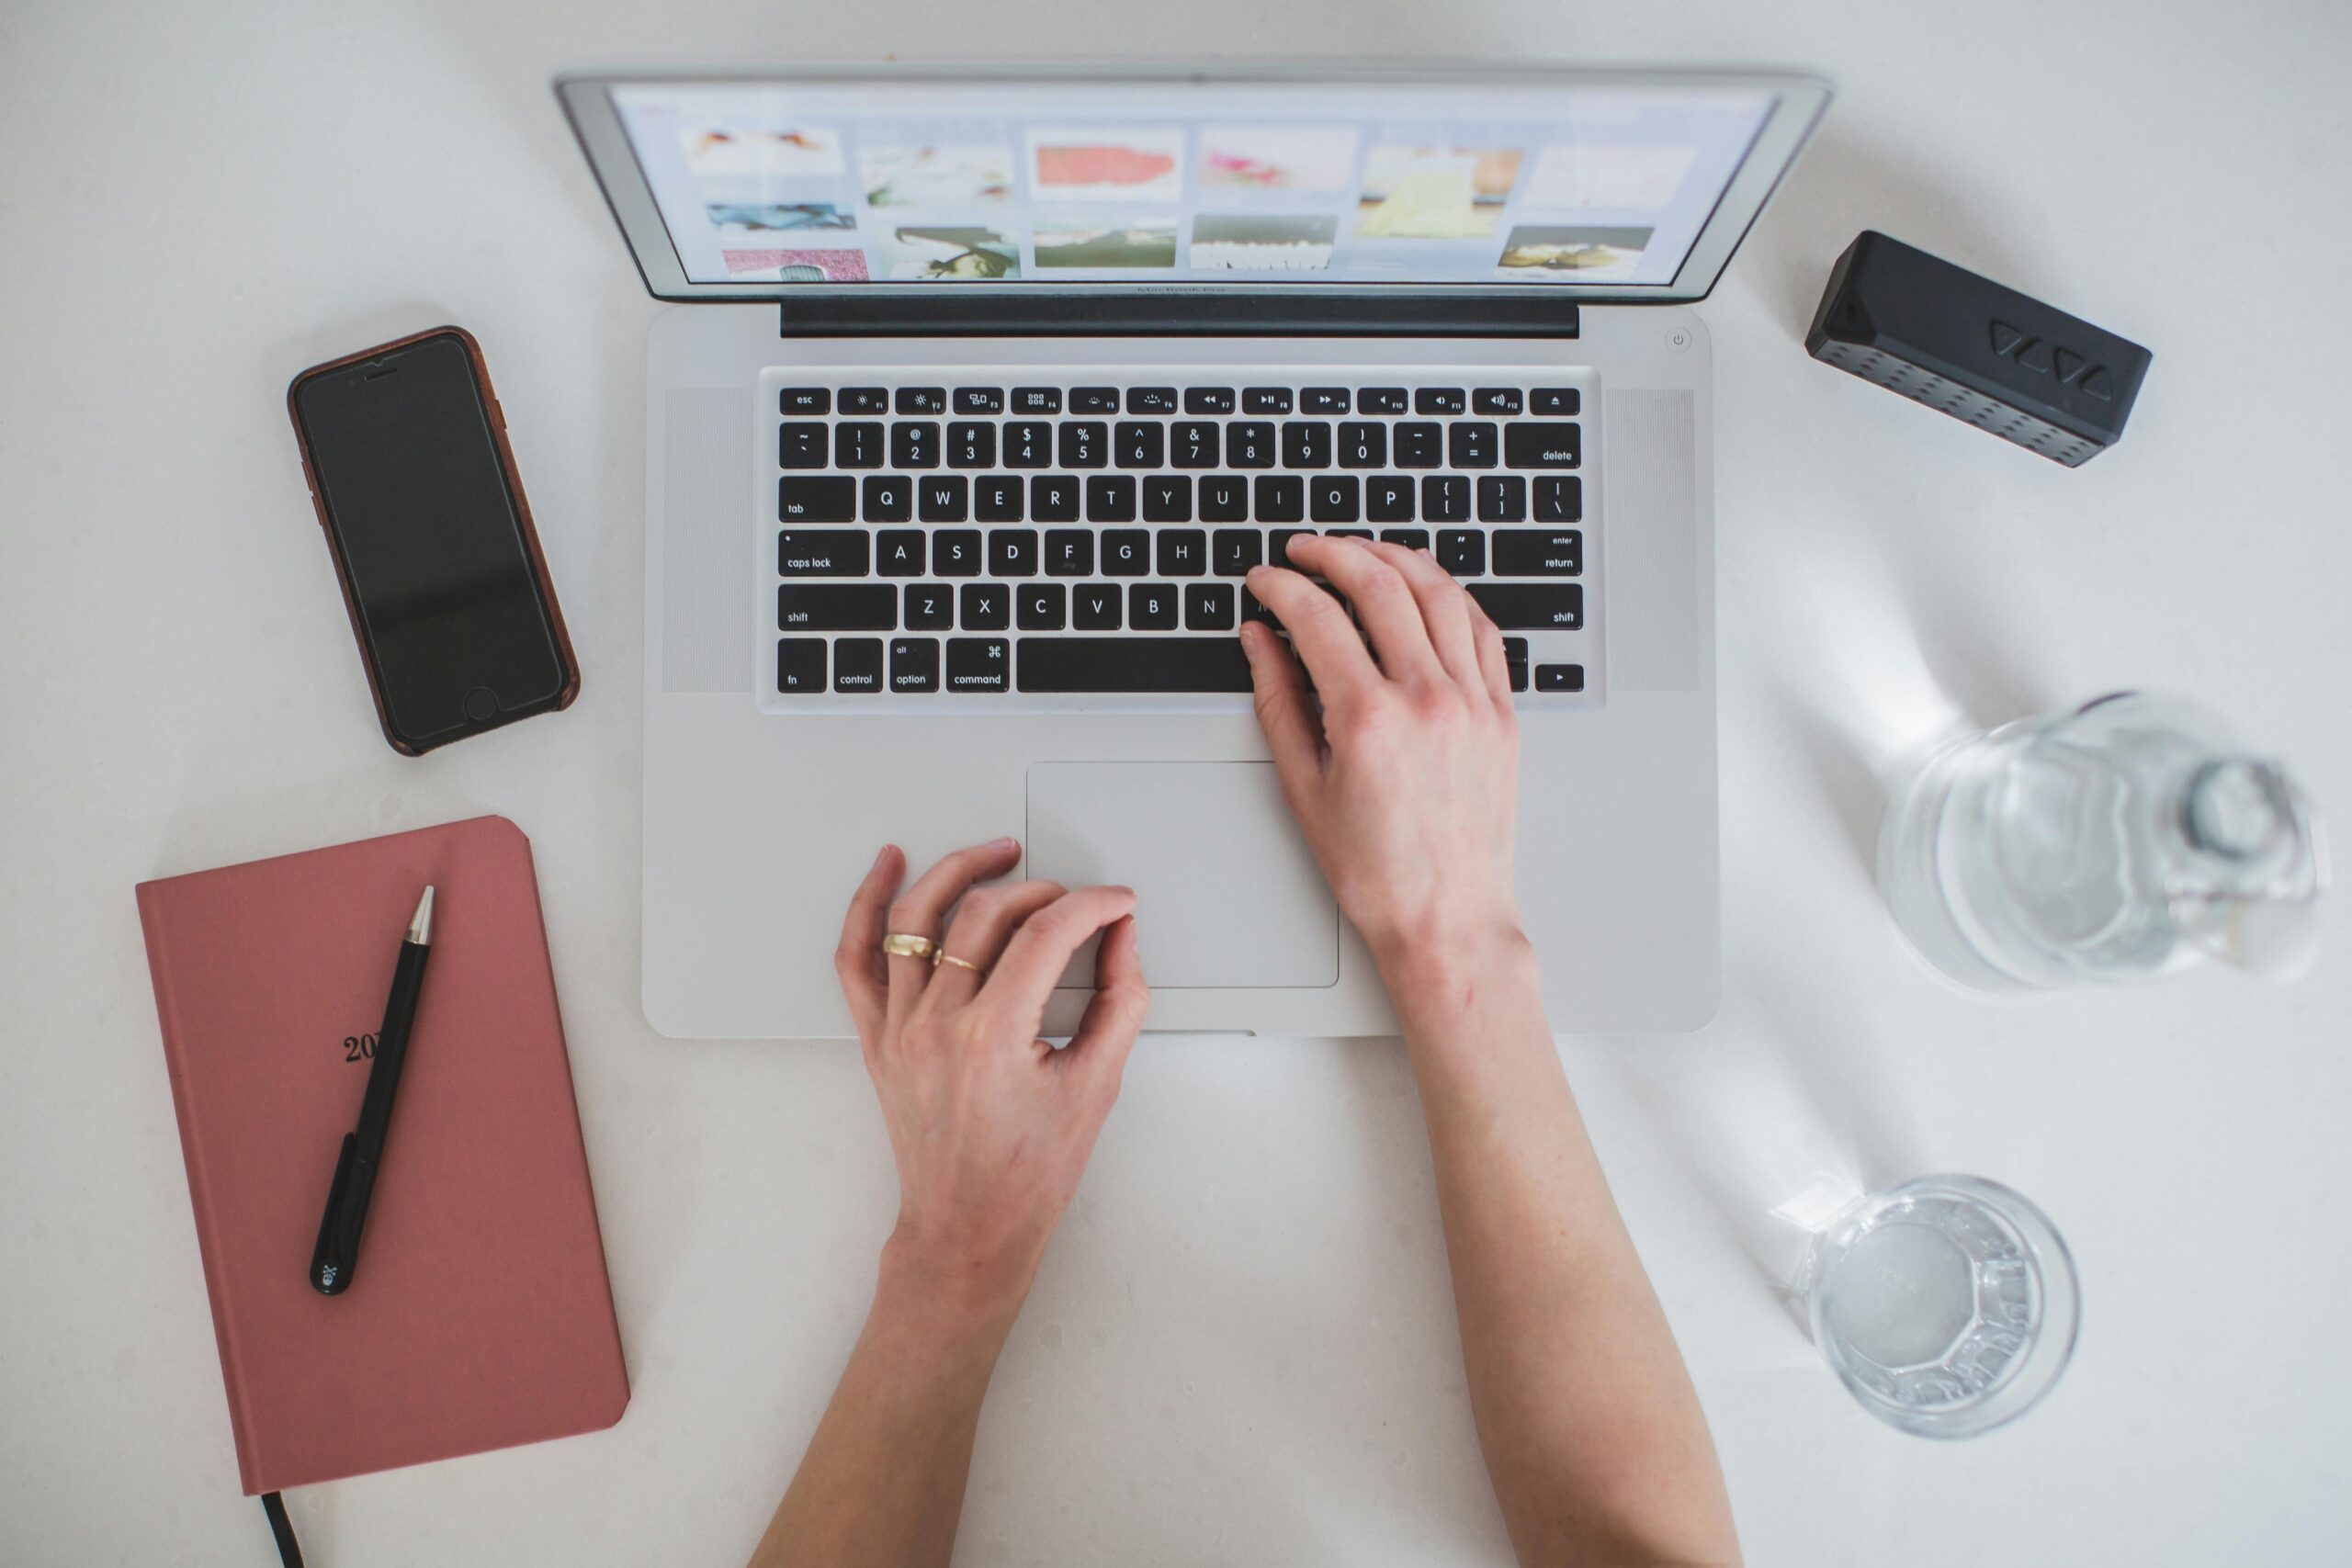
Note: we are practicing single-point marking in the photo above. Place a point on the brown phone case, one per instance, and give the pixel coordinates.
(546, 584)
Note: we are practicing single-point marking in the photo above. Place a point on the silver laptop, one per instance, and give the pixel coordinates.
(986, 391)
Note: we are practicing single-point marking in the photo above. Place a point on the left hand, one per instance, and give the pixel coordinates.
(990, 1126)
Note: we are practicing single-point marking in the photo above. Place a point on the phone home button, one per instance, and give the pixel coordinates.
(481, 704)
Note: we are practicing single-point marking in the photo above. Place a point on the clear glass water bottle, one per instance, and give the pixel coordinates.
(2121, 840)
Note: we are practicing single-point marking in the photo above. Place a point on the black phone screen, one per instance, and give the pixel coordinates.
(433, 547)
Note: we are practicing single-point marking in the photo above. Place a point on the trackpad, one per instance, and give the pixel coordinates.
(1226, 892)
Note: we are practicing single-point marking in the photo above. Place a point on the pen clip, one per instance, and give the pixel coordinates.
(329, 1272)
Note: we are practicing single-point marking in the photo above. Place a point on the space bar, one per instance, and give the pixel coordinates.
(1130, 664)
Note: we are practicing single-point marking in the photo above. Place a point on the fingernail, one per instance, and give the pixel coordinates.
(883, 854)
(1004, 843)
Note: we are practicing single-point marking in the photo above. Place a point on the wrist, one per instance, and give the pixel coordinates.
(954, 1294)
(1445, 950)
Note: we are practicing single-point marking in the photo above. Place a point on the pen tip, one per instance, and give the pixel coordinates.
(420, 925)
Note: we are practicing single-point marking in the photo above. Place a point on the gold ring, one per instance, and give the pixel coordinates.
(947, 957)
(900, 944)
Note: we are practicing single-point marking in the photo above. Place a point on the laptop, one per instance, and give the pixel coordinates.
(983, 390)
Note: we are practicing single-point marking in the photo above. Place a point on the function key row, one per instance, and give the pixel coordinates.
(808, 402)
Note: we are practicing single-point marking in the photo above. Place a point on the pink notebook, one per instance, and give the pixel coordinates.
(478, 1315)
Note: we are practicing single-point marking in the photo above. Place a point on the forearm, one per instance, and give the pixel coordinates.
(882, 1482)
(1593, 1434)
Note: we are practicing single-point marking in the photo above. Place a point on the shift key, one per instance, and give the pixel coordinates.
(1531, 606)
(837, 607)
(829, 499)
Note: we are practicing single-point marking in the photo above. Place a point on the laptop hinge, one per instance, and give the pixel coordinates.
(1219, 313)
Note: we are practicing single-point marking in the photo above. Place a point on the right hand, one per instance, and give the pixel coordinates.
(1406, 782)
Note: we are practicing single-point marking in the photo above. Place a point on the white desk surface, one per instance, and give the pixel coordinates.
(1242, 1347)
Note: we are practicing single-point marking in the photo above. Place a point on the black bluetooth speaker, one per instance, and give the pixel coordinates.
(1965, 345)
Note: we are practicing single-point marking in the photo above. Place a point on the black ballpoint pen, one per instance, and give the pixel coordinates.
(337, 1252)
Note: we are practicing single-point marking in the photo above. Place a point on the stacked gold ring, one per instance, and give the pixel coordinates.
(944, 957)
(900, 944)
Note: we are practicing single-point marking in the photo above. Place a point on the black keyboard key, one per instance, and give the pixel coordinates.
(944, 499)
(1070, 552)
(864, 400)
(1440, 399)
(1471, 444)
(971, 445)
(956, 552)
(801, 443)
(889, 498)
(1086, 444)
(1096, 607)
(1151, 400)
(1206, 399)
(1037, 399)
(1249, 443)
(1134, 664)
(1012, 552)
(857, 664)
(1495, 400)
(1126, 552)
(1183, 552)
(1388, 499)
(1548, 444)
(1208, 607)
(1041, 606)
(1265, 399)
(985, 607)
(1333, 498)
(997, 498)
(1233, 551)
(837, 607)
(805, 401)
(1225, 498)
(978, 664)
(1463, 552)
(1348, 533)
(1168, 498)
(1502, 497)
(1554, 399)
(922, 400)
(1094, 399)
(930, 607)
(1278, 545)
(1411, 538)
(1193, 443)
(1111, 498)
(1363, 444)
(1381, 400)
(914, 664)
(1252, 610)
(1323, 400)
(800, 665)
(1140, 442)
(822, 552)
(1420, 446)
(914, 443)
(979, 400)
(816, 500)
(1053, 498)
(1515, 661)
(1281, 498)
(857, 443)
(1559, 677)
(1539, 552)
(1559, 499)
(1151, 606)
(1028, 444)
(899, 552)
(1445, 498)
(1531, 606)
(1307, 444)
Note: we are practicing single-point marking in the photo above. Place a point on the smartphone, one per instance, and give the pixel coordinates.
(405, 450)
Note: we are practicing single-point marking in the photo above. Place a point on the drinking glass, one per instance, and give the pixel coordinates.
(1947, 1306)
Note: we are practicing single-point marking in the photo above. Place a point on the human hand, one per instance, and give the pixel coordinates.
(990, 1126)
(1406, 782)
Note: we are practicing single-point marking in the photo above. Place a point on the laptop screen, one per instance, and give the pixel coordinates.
(1587, 183)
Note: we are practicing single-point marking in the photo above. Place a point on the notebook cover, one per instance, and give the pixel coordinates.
(478, 1315)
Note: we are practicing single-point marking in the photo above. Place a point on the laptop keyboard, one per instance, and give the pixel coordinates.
(1079, 540)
